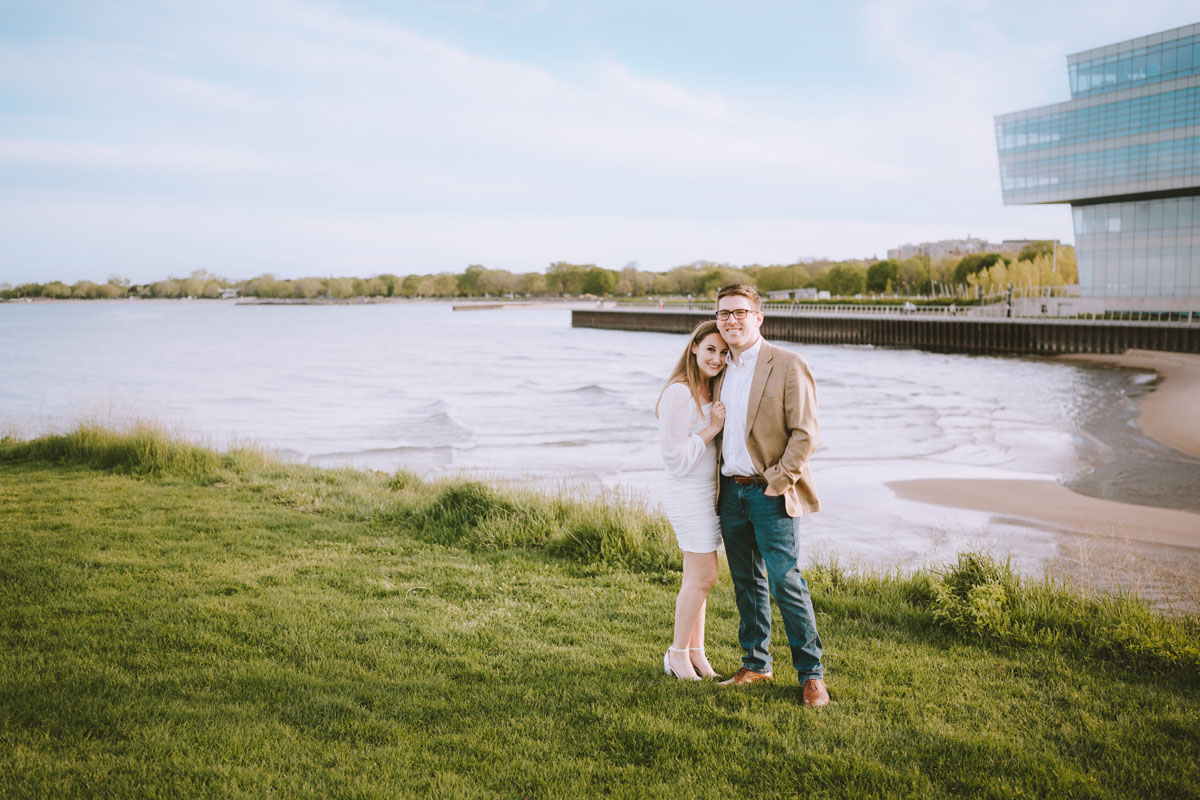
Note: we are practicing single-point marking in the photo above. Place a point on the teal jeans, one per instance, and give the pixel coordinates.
(761, 545)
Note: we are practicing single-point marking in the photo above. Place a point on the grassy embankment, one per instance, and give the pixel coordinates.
(177, 622)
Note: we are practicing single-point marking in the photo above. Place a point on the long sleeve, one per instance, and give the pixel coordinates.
(800, 419)
(681, 449)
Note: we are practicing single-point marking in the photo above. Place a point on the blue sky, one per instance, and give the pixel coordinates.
(307, 137)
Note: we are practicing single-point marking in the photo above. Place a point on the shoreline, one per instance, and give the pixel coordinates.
(1165, 414)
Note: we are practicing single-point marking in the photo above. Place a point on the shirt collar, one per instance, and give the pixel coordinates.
(749, 356)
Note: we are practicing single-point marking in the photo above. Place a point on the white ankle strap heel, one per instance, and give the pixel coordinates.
(667, 664)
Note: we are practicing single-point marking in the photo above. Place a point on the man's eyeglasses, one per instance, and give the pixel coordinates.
(737, 313)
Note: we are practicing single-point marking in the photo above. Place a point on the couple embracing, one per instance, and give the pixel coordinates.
(737, 427)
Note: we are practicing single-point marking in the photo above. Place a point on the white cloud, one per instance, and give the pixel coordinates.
(141, 157)
(659, 96)
(274, 128)
(374, 101)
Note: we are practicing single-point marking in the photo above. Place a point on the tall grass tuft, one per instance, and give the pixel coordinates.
(975, 595)
(141, 449)
(617, 533)
(458, 509)
(603, 531)
(980, 598)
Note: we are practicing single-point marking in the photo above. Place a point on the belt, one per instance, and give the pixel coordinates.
(752, 480)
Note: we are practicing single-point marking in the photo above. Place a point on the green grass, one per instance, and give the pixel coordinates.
(176, 622)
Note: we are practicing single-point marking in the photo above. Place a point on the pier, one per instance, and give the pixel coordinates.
(942, 333)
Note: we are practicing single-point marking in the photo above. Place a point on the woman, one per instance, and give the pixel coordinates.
(688, 421)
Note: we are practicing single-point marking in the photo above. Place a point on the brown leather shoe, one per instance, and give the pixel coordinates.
(744, 676)
(815, 693)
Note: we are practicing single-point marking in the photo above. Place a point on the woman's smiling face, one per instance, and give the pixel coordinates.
(710, 355)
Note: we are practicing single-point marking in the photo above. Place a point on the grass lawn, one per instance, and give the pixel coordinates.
(226, 626)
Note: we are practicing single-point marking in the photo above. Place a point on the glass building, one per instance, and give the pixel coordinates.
(1124, 151)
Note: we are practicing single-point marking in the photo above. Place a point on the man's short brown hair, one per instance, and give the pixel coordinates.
(741, 290)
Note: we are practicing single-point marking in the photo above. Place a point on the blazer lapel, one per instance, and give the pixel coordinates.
(762, 370)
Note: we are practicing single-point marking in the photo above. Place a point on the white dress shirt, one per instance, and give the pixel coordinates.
(735, 394)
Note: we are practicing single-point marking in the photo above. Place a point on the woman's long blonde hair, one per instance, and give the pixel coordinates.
(686, 370)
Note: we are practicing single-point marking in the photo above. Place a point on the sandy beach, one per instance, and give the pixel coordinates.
(1167, 414)
(1049, 503)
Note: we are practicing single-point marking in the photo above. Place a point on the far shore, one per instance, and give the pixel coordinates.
(481, 302)
(1167, 414)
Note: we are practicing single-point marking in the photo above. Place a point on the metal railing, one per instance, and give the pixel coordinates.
(789, 309)
(995, 310)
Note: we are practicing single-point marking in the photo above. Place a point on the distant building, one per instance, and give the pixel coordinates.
(1124, 151)
(229, 294)
(1017, 245)
(943, 249)
(793, 294)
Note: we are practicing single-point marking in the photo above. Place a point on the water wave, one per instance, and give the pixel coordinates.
(1144, 378)
(426, 460)
(429, 424)
(589, 390)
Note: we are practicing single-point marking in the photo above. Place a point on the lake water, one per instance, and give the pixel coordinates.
(519, 394)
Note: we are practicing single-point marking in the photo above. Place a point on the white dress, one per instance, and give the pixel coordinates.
(689, 493)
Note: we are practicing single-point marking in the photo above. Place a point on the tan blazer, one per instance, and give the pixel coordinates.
(781, 425)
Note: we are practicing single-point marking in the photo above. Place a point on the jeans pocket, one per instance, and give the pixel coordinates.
(773, 498)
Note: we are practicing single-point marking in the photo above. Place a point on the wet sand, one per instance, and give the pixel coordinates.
(1167, 414)
(1048, 503)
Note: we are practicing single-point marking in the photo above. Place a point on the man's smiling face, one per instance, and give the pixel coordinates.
(739, 334)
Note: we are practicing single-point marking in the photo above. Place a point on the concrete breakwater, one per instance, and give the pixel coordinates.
(945, 334)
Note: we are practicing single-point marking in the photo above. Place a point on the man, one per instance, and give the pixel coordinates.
(765, 486)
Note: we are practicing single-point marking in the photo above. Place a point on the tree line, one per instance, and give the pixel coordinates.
(970, 276)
